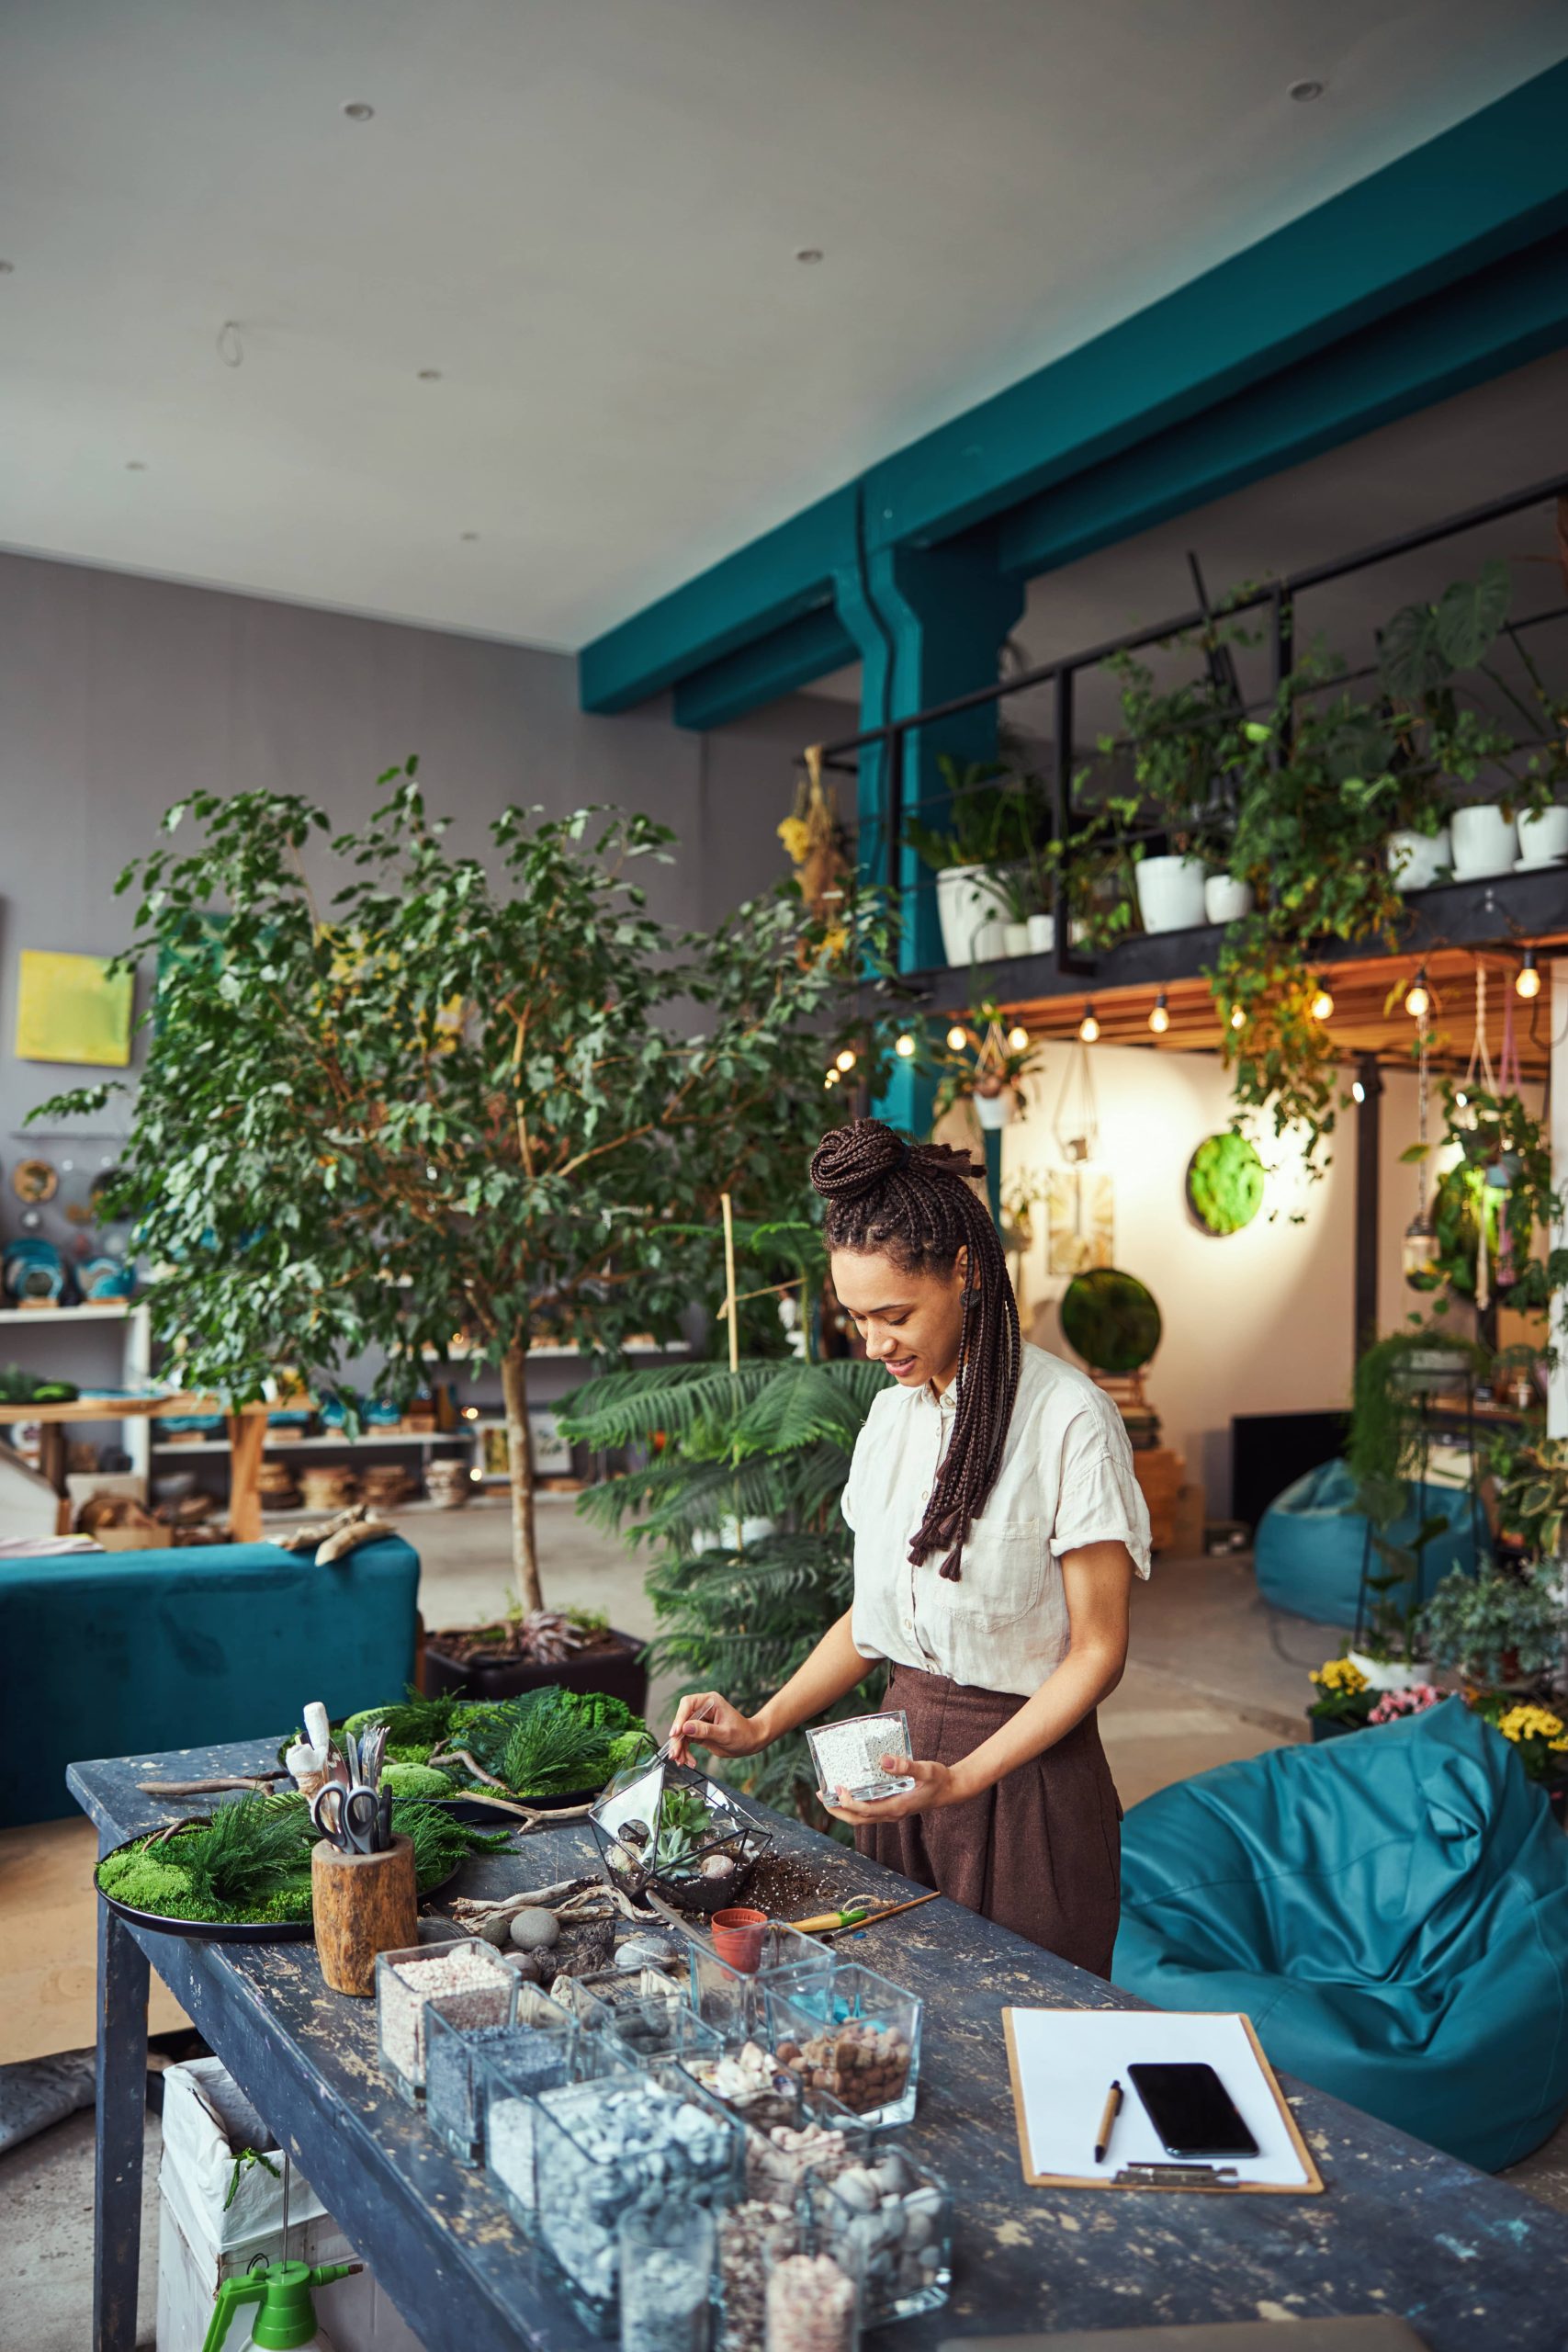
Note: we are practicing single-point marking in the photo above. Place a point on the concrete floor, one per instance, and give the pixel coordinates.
(1214, 1675)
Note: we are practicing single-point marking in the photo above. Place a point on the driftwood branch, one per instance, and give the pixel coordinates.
(253, 1780)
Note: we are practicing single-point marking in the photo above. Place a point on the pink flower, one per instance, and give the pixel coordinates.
(1413, 1700)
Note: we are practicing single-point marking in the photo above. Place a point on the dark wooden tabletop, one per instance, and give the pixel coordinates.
(1401, 2228)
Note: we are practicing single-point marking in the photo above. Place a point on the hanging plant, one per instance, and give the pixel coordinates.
(1225, 1183)
(1499, 1192)
(987, 1066)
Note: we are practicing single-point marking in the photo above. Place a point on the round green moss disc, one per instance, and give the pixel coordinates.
(1225, 1183)
(1111, 1320)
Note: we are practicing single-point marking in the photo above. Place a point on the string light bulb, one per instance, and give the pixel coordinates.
(1357, 1092)
(1418, 996)
(831, 1078)
(847, 1060)
(958, 1038)
(1527, 982)
(904, 1047)
(1238, 1018)
(1089, 1027)
(1461, 1099)
(1322, 1006)
(1160, 1018)
(1018, 1038)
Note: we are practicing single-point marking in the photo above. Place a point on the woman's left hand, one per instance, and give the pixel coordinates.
(935, 1785)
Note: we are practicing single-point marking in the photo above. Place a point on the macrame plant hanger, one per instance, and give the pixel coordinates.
(1075, 1124)
(1508, 1082)
(1420, 1251)
(1479, 1067)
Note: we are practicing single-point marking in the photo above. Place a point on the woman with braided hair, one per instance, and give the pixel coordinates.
(997, 1529)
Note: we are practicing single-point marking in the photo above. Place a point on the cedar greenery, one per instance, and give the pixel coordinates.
(454, 1096)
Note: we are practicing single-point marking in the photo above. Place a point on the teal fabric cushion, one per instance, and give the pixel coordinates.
(1389, 1909)
(1312, 1539)
(128, 1653)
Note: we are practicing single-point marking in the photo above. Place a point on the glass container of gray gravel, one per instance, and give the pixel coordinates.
(634, 2036)
(853, 2034)
(469, 1983)
(456, 2056)
(610, 1994)
(667, 2263)
(731, 1999)
(507, 2090)
(651, 2143)
(887, 2219)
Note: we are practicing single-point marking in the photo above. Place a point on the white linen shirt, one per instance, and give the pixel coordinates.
(1065, 1480)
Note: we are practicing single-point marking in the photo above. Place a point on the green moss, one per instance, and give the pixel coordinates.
(149, 1883)
(411, 1780)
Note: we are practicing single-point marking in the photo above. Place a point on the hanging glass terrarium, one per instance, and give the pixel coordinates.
(1420, 1249)
(668, 1827)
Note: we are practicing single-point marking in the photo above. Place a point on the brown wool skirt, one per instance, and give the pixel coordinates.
(1039, 1853)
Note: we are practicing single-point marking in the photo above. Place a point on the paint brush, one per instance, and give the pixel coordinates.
(824, 1923)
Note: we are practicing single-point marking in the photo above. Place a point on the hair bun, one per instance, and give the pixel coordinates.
(855, 1159)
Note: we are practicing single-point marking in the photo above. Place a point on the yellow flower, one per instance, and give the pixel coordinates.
(1337, 1674)
(1526, 1721)
(796, 835)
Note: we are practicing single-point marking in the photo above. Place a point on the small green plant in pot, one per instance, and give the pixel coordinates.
(1499, 1630)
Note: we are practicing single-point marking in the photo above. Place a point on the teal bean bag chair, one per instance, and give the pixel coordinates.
(1307, 1556)
(1389, 1909)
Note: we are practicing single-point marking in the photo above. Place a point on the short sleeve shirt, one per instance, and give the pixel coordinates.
(1065, 1480)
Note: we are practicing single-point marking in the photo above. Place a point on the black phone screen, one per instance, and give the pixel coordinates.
(1193, 2111)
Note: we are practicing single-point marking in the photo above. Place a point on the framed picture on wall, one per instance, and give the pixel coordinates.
(1080, 1230)
(551, 1454)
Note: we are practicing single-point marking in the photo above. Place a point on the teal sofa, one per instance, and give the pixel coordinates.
(1311, 1541)
(1389, 1909)
(129, 1653)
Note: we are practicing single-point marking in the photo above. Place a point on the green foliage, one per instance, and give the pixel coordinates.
(250, 1847)
(993, 815)
(1225, 1183)
(1504, 1182)
(551, 1742)
(1111, 1320)
(1532, 1499)
(1393, 1377)
(460, 1098)
(1492, 1627)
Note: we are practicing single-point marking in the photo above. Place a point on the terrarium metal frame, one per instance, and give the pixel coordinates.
(627, 1835)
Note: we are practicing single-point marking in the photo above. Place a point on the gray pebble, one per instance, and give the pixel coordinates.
(494, 1931)
(534, 1931)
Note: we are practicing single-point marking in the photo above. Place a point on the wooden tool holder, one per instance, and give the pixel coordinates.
(362, 1904)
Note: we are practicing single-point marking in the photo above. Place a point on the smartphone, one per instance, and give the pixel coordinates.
(1193, 2111)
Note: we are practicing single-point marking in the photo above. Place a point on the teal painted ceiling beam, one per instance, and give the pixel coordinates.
(1495, 184)
(1489, 189)
(1501, 319)
(792, 656)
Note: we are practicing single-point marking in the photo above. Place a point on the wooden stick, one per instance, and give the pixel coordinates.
(727, 1206)
(825, 1922)
(207, 1788)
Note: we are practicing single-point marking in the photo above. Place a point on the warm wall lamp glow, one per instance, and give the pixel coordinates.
(847, 1059)
(1527, 983)
(1089, 1027)
(1160, 1019)
(958, 1038)
(1418, 997)
(1323, 1002)
(1018, 1038)
(904, 1047)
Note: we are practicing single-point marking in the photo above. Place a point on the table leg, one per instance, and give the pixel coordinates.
(247, 1437)
(122, 2109)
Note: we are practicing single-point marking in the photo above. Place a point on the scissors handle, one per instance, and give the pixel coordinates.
(350, 1817)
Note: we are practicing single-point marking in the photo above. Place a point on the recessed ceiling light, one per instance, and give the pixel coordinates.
(135, 465)
(808, 253)
(430, 375)
(357, 112)
(1303, 93)
(467, 535)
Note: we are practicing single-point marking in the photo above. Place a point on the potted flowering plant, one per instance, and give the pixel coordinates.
(1496, 1630)
(1344, 1701)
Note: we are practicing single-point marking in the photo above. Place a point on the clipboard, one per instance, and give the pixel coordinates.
(1126, 2035)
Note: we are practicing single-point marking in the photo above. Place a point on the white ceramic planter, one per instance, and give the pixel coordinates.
(1227, 899)
(1016, 938)
(1543, 838)
(734, 1535)
(1416, 859)
(973, 914)
(1042, 932)
(1390, 1673)
(993, 1110)
(1485, 842)
(1170, 892)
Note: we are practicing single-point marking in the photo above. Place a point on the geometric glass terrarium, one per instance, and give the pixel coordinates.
(669, 1826)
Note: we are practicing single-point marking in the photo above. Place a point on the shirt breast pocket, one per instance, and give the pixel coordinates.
(1003, 1572)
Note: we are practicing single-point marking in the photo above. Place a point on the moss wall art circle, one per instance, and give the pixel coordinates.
(1225, 1183)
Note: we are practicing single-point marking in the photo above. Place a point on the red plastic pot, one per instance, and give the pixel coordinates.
(738, 1937)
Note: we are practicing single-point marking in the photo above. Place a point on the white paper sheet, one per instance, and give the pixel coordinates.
(1067, 2059)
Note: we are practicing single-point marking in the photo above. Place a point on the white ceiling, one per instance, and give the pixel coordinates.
(585, 216)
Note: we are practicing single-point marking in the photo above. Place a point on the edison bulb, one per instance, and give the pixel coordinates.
(1018, 1039)
(1238, 1018)
(1160, 1019)
(1418, 998)
(831, 1078)
(958, 1038)
(904, 1047)
(847, 1059)
(1089, 1027)
(1527, 983)
(1322, 1003)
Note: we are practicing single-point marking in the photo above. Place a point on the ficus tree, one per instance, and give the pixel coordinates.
(455, 1096)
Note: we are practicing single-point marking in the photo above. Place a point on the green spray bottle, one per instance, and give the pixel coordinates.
(287, 2320)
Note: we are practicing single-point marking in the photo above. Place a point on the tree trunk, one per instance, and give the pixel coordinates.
(524, 1549)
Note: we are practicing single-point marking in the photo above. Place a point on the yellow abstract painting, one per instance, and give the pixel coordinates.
(72, 1008)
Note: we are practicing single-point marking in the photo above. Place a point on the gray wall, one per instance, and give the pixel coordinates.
(119, 695)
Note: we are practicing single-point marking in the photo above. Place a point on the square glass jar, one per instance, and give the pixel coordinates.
(636, 2035)
(541, 2036)
(790, 2130)
(468, 1980)
(507, 2090)
(643, 2143)
(667, 2279)
(855, 2035)
(731, 1998)
(848, 1755)
(888, 2220)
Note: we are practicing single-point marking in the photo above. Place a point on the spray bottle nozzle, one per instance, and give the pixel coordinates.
(287, 2320)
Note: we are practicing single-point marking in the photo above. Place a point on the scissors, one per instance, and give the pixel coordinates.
(351, 1817)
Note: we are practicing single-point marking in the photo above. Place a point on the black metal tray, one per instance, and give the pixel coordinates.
(223, 1931)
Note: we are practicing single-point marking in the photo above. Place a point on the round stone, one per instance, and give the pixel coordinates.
(534, 1931)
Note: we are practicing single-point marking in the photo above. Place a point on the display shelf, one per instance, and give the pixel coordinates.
(318, 1445)
(553, 1349)
(96, 1310)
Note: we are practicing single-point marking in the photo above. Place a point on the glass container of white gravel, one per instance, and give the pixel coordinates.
(888, 2218)
(540, 2037)
(650, 2142)
(507, 2090)
(731, 1999)
(667, 2266)
(470, 1983)
(789, 2129)
(853, 2034)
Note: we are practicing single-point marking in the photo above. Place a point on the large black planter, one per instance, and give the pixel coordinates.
(619, 1671)
(1329, 1727)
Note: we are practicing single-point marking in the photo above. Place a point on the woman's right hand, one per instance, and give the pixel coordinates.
(707, 1719)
